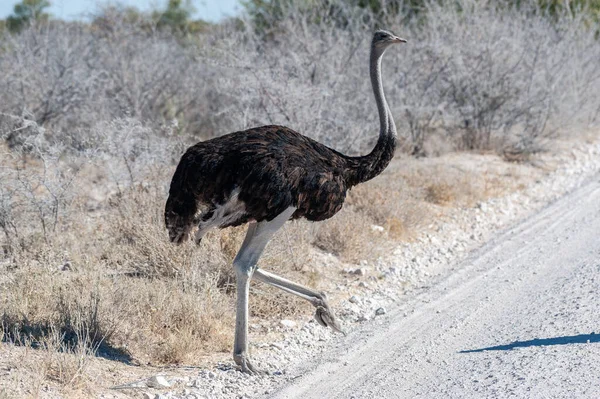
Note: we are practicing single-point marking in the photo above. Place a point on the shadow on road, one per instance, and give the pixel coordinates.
(572, 339)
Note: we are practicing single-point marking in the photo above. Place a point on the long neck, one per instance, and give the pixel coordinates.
(367, 167)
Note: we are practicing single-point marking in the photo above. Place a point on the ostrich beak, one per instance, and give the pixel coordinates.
(399, 40)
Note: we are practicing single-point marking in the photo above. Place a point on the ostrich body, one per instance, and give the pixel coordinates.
(265, 176)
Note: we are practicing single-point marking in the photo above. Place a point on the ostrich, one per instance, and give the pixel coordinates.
(265, 176)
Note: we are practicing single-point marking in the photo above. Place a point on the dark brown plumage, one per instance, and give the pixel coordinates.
(274, 168)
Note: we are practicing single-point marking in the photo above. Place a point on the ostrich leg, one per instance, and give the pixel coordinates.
(324, 315)
(256, 240)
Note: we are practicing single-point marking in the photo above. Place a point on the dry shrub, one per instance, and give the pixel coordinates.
(346, 236)
(389, 202)
(476, 75)
(269, 303)
(397, 230)
(145, 320)
(139, 243)
(439, 193)
(39, 303)
(185, 325)
(50, 363)
(516, 155)
(372, 201)
(64, 364)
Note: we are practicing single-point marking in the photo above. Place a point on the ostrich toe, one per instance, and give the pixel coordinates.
(326, 318)
(243, 361)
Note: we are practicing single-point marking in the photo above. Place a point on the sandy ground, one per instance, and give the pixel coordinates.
(517, 319)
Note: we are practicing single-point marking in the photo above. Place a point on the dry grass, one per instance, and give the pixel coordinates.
(440, 193)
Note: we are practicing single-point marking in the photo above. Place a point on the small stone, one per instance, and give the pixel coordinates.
(288, 323)
(65, 267)
(361, 271)
(380, 312)
(148, 395)
(277, 345)
(353, 299)
(377, 228)
(158, 381)
(362, 284)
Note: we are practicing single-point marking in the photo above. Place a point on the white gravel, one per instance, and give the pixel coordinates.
(388, 284)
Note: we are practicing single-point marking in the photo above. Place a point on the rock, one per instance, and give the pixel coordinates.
(378, 229)
(65, 267)
(362, 284)
(380, 312)
(353, 299)
(158, 381)
(148, 395)
(277, 345)
(361, 271)
(288, 323)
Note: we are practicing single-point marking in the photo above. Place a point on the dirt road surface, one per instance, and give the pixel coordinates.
(519, 318)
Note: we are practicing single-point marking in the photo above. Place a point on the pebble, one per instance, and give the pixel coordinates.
(361, 271)
(380, 312)
(288, 323)
(158, 381)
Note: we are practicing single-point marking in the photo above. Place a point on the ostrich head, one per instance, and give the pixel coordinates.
(178, 226)
(384, 38)
(179, 218)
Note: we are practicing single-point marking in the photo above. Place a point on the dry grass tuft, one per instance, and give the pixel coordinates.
(345, 236)
(439, 193)
(397, 230)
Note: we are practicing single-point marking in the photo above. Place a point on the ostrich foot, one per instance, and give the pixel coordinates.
(242, 360)
(325, 316)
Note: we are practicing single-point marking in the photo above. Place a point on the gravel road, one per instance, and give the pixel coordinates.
(518, 318)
